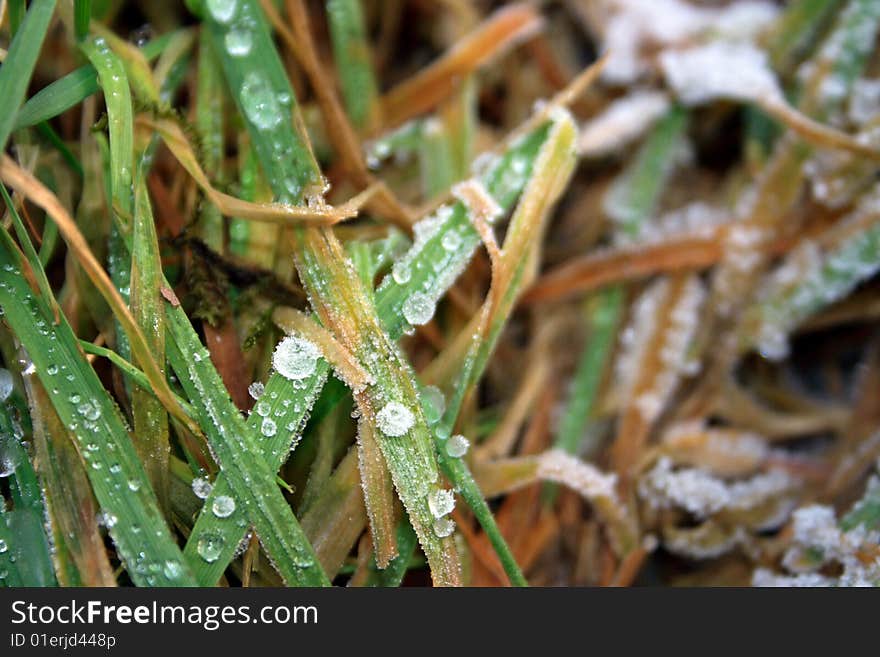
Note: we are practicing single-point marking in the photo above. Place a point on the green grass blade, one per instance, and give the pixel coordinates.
(603, 313)
(635, 194)
(351, 51)
(244, 467)
(150, 418)
(142, 539)
(15, 74)
(24, 533)
(82, 14)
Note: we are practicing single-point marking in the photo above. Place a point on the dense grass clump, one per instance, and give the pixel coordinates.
(463, 293)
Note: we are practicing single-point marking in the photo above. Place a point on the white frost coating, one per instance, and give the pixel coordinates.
(677, 336)
(765, 578)
(563, 468)
(733, 71)
(816, 526)
(722, 451)
(636, 28)
(295, 358)
(441, 502)
(623, 121)
(477, 200)
(5, 384)
(864, 103)
(703, 494)
(394, 419)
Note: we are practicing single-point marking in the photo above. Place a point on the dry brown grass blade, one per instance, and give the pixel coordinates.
(33, 189)
(817, 133)
(225, 349)
(655, 367)
(505, 28)
(505, 475)
(278, 213)
(606, 267)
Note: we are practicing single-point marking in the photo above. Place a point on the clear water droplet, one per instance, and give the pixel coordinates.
(222, 11)
(238, 42)
(259, 101)
(433, 403)
(401, 273)
(268, 428)
(209, 546)
(5, 384)
(223, 506)
(172, 569)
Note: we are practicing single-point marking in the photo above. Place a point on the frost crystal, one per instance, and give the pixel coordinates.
(394, 419)
(295, 358)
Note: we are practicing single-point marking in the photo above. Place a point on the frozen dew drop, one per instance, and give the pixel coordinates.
(238, 43)
(259, 101)
(223, 506)
(115, 468)
(444, 526)
(268, 428)
(441, 502)
(255, 390)
(394, 419)
(457, 446)
(222, 11)
(134, 485)
(209, 546)
(295, 358)
(89, 410)
(418, 309)
(262, 409)
(3, 546)
(201, 487)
